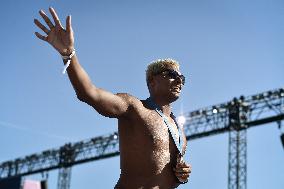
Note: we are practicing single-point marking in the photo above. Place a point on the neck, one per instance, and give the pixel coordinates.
(164, 105)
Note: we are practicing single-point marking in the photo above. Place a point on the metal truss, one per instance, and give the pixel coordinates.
(66, 156)
(237, 145)
(234, 117)
(64, 178)
(253, 110)
(237, 159)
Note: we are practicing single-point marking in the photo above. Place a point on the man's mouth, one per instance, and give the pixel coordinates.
(176, 89)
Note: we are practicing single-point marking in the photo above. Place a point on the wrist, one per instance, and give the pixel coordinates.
(67, 60)
(68, 56)
(67, 51)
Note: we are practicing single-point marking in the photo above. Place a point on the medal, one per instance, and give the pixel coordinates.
(178, 140)
(181, 161)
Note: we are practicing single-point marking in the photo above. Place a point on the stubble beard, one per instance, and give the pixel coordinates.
(173, 97)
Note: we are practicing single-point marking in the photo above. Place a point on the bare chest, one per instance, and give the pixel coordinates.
(145, 140)
(155, 128)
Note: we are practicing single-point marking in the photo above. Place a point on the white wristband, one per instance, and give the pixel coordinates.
(68, 58)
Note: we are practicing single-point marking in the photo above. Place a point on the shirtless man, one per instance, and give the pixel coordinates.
(151, 142)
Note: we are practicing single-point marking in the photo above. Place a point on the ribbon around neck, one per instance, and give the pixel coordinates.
(178, 141)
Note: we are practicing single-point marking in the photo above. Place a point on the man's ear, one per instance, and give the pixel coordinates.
(151, 83)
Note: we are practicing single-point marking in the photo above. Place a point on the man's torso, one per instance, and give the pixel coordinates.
(147, 151)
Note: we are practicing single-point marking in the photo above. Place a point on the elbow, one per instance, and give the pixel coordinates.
(81, 96)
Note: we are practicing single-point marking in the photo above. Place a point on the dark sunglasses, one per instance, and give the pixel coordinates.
(173, 75)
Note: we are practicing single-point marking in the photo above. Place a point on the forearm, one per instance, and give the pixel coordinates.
(79, 78)
(63, 41)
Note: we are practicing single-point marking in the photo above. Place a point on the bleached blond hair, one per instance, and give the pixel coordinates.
(159, 66)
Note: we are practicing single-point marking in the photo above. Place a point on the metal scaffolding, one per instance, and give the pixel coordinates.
(235, 117)
(64, 178)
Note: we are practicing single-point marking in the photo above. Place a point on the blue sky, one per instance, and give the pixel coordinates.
(225, 48)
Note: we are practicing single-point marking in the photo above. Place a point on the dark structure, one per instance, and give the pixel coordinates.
(10, 183)
(235, 117)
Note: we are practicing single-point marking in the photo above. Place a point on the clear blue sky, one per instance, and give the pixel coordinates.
(225, 48)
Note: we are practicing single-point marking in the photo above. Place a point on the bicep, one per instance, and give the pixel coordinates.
(107, 103)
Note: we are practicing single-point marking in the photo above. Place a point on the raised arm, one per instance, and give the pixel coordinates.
(62, 40)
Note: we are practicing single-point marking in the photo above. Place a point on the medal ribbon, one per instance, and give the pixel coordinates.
(177, 140)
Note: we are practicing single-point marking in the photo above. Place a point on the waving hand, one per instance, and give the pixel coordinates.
(61, 39)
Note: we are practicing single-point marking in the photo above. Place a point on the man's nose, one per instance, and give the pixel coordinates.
(179, 80)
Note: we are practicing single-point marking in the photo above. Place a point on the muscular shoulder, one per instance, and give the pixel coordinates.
(127, 97)
(132, 101)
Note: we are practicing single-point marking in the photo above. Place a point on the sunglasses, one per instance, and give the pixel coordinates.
(172, 74)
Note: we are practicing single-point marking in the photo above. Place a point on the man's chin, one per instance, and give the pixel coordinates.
(174, 97)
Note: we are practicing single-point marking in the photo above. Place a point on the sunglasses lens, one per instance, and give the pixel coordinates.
(174, 75)
(183, 79)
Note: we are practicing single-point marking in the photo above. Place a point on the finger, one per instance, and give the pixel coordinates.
(183, 170)
(180, 165)
(41, 26)
(183, 165)
(184, 176)
(40, 36)
(46, 19)
(68, 24)
(55, 17)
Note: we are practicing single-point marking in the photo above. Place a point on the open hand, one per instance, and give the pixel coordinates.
(62, 40)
